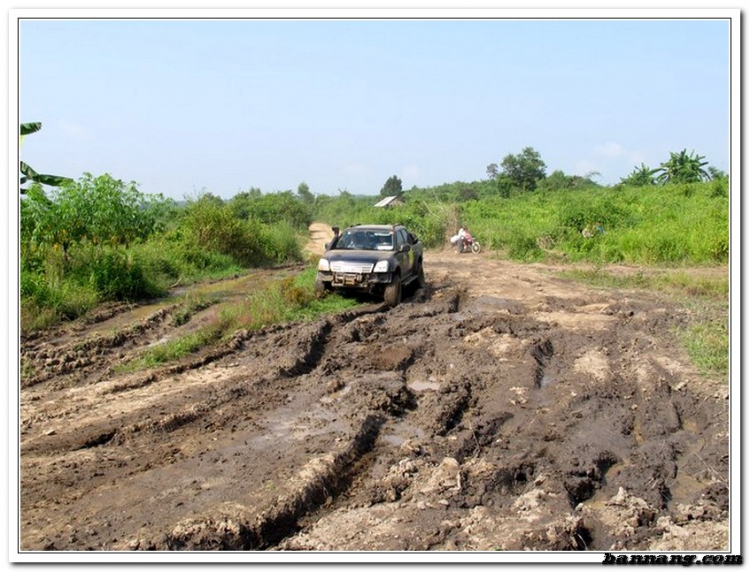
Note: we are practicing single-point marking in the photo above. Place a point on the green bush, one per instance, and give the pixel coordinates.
(675, 224)
(45, 301)
(76, 249)
(672, 224)
(98, 210)
(214, 227)
(210, 226)
(431, 221)
(271, 208)
(169, 260)
(281, 242)
(115, 276)
(524, 247)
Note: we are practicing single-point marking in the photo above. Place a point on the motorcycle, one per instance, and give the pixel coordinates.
(469, 244)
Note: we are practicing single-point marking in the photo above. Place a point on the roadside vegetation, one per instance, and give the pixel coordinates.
(99, 239)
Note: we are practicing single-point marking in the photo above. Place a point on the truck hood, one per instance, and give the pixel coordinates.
(362, 256)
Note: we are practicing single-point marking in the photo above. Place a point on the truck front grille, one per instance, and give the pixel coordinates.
(351, 267)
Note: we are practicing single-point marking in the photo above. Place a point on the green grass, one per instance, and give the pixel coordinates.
(171, 350)
(49, 301)
(674, 224)
(679, 224)
(672, 282)
(58, 286)
(287, 300)
(707, 343)
(27, 369)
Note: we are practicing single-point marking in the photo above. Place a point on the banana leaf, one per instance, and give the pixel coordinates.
(29, 128)
(31, 175)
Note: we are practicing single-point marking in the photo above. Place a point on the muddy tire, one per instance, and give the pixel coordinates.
(321, 288)
(421, 283)
(476, 248)
(392, 294)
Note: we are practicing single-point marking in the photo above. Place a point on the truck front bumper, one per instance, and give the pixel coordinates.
(360, 280)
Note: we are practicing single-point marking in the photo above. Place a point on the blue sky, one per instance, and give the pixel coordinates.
(223, 105)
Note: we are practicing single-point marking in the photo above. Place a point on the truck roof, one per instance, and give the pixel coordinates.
(376, 226)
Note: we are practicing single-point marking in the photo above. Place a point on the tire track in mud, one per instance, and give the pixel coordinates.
(303, 346)
(310, 345)
(50, 361)
(117, 431)
(60, 352)
(581, 462)
(455, 421)
(319, 480)
(323, 478)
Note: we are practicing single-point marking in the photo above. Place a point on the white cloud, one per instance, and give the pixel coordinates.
(610, 150)
(410, 174)
(356, 169)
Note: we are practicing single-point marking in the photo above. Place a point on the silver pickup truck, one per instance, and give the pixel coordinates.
(378, 259)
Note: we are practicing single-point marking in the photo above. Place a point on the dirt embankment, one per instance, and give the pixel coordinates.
(501, 408)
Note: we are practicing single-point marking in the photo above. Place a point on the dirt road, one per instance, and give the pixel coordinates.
(502, 408)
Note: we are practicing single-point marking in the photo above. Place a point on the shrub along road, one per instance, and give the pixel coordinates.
(501, 408)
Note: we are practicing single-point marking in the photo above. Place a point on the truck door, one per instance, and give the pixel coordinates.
(405, 259)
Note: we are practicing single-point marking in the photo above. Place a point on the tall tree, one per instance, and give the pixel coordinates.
(683, 168)
(304, 193)
(392, 187)
(100, 210)
(640, 177)
(558, 180)
(524, 170)
(716, 173)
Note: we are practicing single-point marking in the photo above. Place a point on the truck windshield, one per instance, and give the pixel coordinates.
(365, 240)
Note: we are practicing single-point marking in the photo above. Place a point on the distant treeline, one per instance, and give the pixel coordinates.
(100, 239)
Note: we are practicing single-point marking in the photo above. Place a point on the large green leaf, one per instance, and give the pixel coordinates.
(29, 128)
(32, 175)
(29, 173)
(52, 180)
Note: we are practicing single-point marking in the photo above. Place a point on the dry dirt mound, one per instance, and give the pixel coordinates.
(320, 234)
(498, 409)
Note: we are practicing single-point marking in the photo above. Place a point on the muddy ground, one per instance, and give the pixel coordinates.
(502, 408)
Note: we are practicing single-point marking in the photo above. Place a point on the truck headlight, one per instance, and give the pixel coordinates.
(324, 265)
(381, 266)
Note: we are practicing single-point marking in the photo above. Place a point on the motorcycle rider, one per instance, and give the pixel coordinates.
(463, 232)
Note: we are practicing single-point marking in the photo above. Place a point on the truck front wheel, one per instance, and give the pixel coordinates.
(321, 288)
(392, 294)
